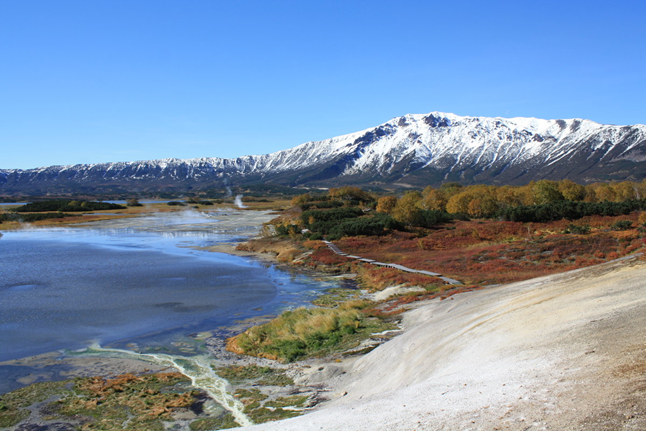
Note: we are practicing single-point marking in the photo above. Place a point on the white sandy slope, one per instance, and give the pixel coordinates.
(565, 352)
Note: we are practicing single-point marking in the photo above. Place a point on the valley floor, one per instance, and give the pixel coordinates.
(562, 352)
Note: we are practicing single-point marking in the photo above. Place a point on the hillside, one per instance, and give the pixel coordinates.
(560, 352)
(420, 150)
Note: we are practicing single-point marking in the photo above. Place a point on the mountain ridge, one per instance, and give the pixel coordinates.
(418, 149)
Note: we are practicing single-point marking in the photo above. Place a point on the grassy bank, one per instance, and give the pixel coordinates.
(519, 242)
(310, 332)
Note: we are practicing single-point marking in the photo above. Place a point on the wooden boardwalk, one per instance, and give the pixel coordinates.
(338, 251)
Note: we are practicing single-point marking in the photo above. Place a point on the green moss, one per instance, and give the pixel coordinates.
(129, 402)
(263, 414)
(265, 376)
(34, 393)
(240, 374)
(252, 399)
(276, 379)
(250, 395)
(13, 405)
(11, 417)
(207, 424)
(335, 296)
(291, 401)
(139, 424)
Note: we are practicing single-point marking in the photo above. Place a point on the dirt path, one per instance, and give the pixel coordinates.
(564, 352)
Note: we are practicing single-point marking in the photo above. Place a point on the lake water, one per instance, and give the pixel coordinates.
(68, 288)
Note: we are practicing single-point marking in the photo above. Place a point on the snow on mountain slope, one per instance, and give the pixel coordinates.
(420, 149)
(485, 141)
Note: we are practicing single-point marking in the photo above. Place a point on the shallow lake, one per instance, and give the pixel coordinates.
(142, 283)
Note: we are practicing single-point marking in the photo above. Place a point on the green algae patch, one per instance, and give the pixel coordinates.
(251, 398)
(336, 296)
(150, 402)
(127, 401)
(273, 410)
(293, 401)
(13, 406)
(259, 389)
(263, 414)
(207, 424)
(278, 378)
(265, 376)
(239, 374)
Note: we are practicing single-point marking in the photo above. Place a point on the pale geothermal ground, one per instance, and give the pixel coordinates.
(564, 352)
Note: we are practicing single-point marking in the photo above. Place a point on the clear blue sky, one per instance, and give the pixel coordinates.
(91, 81)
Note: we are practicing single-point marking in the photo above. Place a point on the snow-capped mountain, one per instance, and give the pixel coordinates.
(425, 149)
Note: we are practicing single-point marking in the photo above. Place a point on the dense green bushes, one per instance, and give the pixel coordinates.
(622, 225)
(430, 218)
(68, 205)
(30, 218)
(339, 215)
(346, 221)
(375, 225)
(287, 229)
(568, 210)
(333, 215)
(338, 222)
(578, 229)
(133, 202)
(323, 221)
(321, 205)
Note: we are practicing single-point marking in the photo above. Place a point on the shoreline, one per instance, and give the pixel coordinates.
(230, 248)
(57, 365)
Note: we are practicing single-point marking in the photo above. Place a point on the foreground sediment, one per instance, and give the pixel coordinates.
(563, 352)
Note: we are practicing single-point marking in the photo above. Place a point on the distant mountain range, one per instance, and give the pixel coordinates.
(413, 150)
